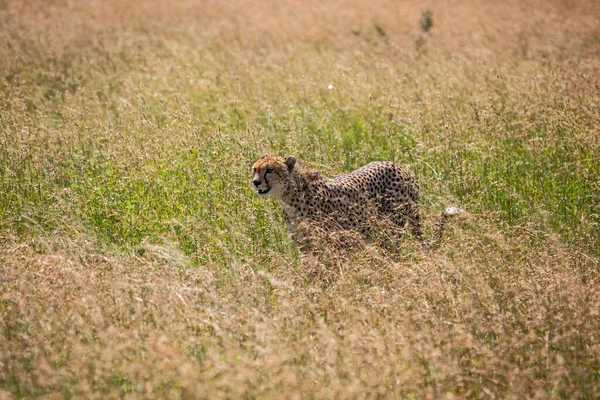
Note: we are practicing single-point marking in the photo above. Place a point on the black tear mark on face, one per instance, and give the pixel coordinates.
(267, 171)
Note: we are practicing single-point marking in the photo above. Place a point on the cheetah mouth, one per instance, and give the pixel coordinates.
(262, 192)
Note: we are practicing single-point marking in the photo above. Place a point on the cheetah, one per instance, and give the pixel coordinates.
(351, 201)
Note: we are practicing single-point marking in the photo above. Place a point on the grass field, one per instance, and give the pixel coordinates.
(135, 261)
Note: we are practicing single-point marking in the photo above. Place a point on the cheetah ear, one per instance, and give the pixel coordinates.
(290, 162)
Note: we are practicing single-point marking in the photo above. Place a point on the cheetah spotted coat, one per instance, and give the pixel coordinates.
(352, 201)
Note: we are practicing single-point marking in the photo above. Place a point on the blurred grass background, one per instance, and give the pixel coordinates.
(136, 261)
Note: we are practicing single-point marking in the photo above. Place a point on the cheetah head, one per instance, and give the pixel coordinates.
(270, 175)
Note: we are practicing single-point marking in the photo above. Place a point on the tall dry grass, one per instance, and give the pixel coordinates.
(136, 262)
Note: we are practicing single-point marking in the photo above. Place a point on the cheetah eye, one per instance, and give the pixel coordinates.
(269, 170)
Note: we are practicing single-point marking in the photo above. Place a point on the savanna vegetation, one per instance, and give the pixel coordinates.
(136, 262)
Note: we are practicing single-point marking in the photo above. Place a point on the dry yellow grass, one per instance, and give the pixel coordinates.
(135, 261)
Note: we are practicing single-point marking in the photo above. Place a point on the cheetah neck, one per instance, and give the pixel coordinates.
(301, 187)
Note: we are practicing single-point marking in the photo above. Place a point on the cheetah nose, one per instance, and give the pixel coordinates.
(256, 182)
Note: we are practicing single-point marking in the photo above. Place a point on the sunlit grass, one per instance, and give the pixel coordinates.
(136, 260)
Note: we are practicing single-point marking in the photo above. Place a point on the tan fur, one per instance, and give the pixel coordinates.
(353, 201)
